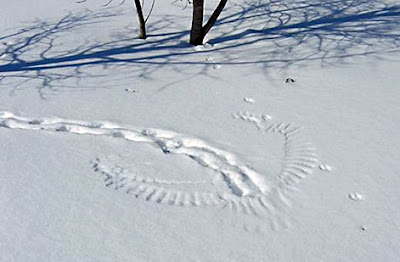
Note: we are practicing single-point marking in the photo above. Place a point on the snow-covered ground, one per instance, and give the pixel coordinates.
(278, 140)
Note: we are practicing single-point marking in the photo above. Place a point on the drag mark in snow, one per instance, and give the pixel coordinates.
(246, 190)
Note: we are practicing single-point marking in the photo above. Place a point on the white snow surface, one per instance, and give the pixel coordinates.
(114, 148)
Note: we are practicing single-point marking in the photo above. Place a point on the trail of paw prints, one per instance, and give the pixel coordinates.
(241, 181)
(244, 190)
(211, 61)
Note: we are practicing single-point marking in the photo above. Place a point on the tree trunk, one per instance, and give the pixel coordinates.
(196, 33)
(142, 22)
(210, 23)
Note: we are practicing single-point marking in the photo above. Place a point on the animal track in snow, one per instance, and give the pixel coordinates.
(325, 167)
(249, 100)
(131, 90)
(245, 189)
(211, 61)
(266, 117)
(356, 196)
(202, 48)
(249, 117)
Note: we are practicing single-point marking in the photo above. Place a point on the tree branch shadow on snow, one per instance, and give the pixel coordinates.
(273, 34)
